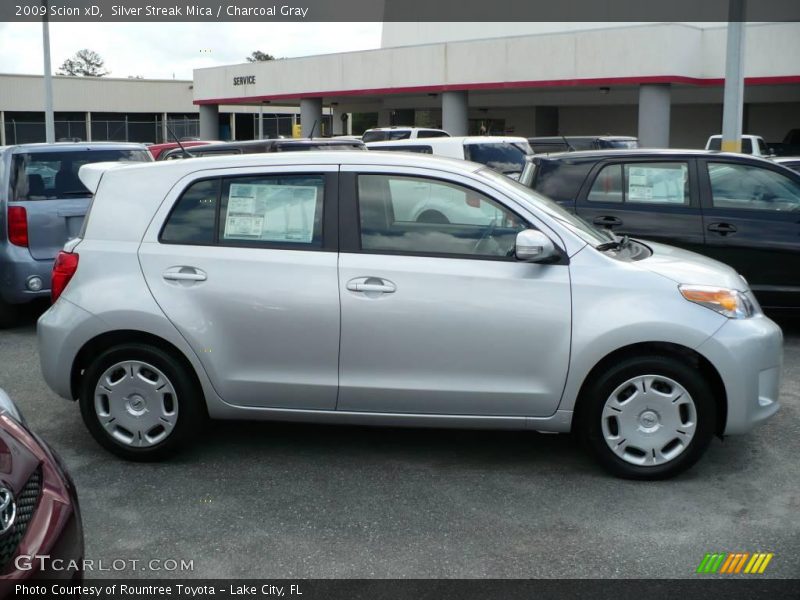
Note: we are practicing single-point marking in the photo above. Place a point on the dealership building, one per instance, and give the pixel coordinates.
(662, 82)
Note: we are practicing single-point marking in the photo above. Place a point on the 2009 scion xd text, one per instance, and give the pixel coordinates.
(300, 287)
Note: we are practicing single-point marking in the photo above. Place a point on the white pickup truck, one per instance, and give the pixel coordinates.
(751, 144)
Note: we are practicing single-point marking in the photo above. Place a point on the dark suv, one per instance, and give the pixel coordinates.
(261, 146)
(741, 210)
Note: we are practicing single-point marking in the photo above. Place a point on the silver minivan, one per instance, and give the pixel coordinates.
(42, 205)
(292, 287)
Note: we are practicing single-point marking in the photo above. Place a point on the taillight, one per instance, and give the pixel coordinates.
(63, 269)
(18, 226)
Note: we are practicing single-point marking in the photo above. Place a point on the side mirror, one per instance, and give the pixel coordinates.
(533, 246)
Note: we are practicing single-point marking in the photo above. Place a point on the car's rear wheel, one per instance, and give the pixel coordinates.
(648, 417)
(139, 402)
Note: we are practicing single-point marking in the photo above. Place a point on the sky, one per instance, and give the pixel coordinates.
(167, 50)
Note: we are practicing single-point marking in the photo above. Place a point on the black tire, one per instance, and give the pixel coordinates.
(10, 315)
(191, 409)
(433, 216)
(590, 414)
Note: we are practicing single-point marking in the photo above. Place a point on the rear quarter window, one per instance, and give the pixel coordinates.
(560, 181)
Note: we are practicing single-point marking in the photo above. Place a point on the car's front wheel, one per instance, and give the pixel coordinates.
(139, 402)
(648, 417)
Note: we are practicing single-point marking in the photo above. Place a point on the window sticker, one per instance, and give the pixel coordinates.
(270, 212)
(657, 184)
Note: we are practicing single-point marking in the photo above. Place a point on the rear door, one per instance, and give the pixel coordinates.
(244, 266)
(650, 199)
(751, 213)
(46, 184)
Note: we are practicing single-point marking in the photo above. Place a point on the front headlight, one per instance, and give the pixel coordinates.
(730, 303)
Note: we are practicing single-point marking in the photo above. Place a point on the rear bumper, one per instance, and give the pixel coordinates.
(748, 354)
(61, 332)
(16, 267)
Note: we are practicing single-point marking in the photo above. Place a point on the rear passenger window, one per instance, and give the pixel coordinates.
(192, 219)
(272, 210)
(642, 183)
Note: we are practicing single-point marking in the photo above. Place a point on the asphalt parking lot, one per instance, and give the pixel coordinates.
(289, 501)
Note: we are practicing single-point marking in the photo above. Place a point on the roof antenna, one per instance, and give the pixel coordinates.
(566, 141)
(186, 153)
(313, 127)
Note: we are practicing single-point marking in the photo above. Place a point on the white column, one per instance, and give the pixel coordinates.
(209, 121)
(2, 128)
(233, 126)
(337, 125)
(88, 126)
(165, 136)
(310, 116)
(733, 103)
(454, 113)
(654, 111)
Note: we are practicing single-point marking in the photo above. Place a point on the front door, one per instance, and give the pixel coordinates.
(245, 268)
(752, 220)
(437, 315)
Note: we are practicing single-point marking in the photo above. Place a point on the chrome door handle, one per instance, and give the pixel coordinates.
(371, 285)
(185, 274)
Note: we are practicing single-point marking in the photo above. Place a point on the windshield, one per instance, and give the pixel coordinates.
(507, 158)
(383, 135)
(588, 233)
(54, 175)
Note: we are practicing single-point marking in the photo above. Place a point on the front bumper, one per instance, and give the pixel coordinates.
(748, 354)
(55, 530)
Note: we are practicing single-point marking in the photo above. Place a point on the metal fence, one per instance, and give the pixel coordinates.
(25, 132)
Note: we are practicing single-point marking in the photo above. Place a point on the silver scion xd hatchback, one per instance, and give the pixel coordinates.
(290, 287)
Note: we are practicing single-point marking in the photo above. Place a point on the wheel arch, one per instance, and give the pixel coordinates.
(104, 341)
(683, 353)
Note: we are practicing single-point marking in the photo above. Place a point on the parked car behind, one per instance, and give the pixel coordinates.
(751, 144)
(42, 204)
(504, 154)
(291, 288)
(738, 209)
(262, 146)
(397, 132)
(157, 149)
(39, 513)
(572, 143)
(790, 162)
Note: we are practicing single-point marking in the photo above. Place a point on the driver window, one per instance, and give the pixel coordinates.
(753, 188)
(417, 215)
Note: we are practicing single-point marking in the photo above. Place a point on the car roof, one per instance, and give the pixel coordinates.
(76, 146)
(173, 170)
(595, 155)
(454, 140)
(221, 146)
(403, 128)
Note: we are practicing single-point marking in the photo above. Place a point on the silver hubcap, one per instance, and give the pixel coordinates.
(649, 420)
(136, 403)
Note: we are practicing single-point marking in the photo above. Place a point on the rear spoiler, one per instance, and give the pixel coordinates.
(91, 174)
